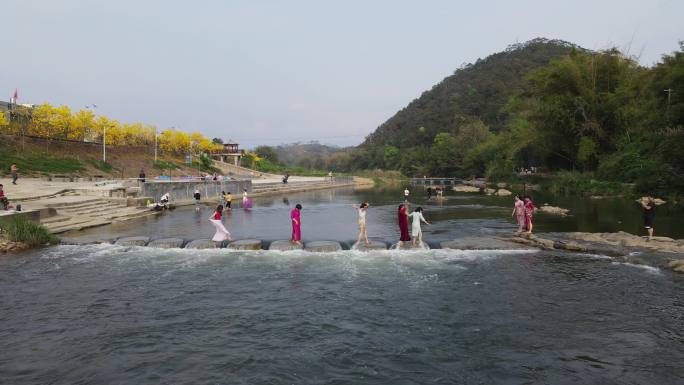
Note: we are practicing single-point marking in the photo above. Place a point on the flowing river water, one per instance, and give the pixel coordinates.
(104, 314)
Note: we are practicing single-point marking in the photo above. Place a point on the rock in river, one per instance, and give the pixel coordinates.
(167, 243)
(133, 241)
(201, 244)
(284, 245)
(246, 244)
(323, 246)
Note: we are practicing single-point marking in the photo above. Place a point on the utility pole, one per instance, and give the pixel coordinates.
(669, 97)
(155, 144)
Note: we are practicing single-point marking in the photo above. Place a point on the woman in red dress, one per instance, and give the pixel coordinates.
(296, 224)
(529, 210)
(402, 216)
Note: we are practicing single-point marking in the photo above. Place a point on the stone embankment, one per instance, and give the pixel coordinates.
(7, 246)
(659, 252)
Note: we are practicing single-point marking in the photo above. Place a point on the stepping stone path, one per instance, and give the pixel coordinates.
(201, 244)
(133, 241)
(373, 245)
(323, 246)
(167, 243)
(409, 246)
(284, 245)
(245, 244)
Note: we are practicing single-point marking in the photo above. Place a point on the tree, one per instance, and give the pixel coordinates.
(217, 141)
(267, 152)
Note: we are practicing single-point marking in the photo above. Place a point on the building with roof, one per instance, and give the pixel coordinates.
(231, 153)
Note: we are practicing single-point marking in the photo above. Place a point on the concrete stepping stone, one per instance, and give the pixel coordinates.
(284, 245)
(409, 246)
(323, 246)
(201, 244)
(167, 243)
(245, 244)
(373, 245)
(133, 241)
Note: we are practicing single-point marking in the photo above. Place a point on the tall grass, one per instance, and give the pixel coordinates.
(20, 229)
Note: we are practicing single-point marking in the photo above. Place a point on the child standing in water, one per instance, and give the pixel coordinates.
(296, 224)
(416, 231)
(519, 213)
(222, 233)
(229, 200)
(648, 207)
(362, 223)
(402, 217)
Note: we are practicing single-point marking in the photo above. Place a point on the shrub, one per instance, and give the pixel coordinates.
(20, 229)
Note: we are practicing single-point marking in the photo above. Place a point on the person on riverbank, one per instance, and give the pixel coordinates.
(197, 197)
(221, 234)
(406, 194)
(529, 211)
(429, 192)
(141, 176)
(14, 171)
(4, 202)
(519, 213)
(402, 217)
(648, 206)
(295, 217)
(362, 224)
(416, 232)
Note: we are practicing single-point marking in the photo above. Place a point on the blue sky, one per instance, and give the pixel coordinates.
(272, 71)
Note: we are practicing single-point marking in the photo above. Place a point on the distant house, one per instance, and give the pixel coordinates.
(229, 154)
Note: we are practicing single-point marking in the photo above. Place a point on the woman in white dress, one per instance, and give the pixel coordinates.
(416, 232)
(362, 224)
(222, 233)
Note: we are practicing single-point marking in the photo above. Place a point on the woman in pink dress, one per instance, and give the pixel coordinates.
(296, 224)
(519, 213)
(402, 216)
(529, 210)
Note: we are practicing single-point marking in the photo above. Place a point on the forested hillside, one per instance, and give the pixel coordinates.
(545, 104)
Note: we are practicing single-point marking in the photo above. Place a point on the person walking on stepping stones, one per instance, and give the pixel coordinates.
(295, 217)
(221, 234)
(402, 217)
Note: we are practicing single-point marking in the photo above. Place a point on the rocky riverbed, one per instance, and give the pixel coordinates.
(659, 252)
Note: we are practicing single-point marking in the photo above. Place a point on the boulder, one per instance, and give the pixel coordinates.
(133, 241)
(489, 191)
(201, 244)
(373, 245)
(466, 189)
(503, 192)
(546, 208)
(245, 244)
(676, 265)
(323, 246)
(284, 245)
(502, 185)
(167, 243)
(480, 243)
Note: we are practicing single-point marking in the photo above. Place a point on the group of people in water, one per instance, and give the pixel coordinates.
(523, 212)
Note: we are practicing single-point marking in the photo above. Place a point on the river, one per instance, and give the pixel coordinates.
(103, 314)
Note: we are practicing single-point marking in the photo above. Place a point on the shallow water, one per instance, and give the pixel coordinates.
(104, 314)
(107, 314)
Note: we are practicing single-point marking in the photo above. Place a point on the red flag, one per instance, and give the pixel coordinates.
(15, 95)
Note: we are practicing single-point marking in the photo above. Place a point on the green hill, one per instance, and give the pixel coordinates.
(476, 90)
